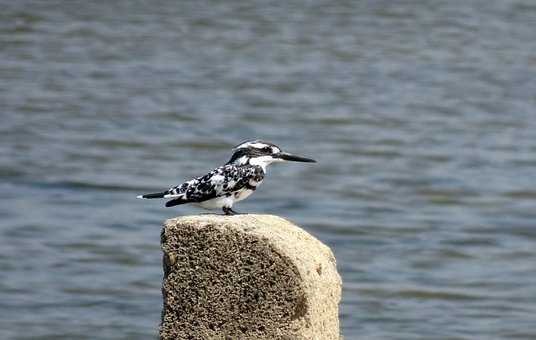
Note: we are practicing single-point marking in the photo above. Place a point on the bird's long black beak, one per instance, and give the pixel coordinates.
(289, 157)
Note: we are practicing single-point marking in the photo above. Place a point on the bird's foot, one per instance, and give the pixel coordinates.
(229, 211)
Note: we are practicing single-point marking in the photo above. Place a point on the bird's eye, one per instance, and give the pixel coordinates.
(267, 149)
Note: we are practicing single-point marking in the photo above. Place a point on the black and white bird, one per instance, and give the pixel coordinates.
(232, 182)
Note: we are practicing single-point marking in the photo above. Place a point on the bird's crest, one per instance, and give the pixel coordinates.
(259, 145)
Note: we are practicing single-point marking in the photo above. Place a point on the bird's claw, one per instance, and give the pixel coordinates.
(229, 211)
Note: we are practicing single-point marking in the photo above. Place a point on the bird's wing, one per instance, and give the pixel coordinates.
(221, 181)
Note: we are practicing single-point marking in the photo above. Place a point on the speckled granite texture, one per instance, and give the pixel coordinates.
(247, 277)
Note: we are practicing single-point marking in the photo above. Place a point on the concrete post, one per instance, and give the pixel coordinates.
(247, 277)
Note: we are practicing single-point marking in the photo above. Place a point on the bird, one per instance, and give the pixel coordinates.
(232, 182)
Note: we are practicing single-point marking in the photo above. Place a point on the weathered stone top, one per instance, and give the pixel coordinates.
(247, 277)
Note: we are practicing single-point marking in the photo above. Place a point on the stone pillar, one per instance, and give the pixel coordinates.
(247, 277)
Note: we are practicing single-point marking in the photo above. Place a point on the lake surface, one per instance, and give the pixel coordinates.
(420, 113)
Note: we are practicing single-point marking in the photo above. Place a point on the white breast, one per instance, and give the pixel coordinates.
(242, 194)
(218, 202)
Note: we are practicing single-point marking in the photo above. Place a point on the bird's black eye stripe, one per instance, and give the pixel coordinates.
(267, 149)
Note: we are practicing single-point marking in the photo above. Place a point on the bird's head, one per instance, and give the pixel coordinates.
(257, 152)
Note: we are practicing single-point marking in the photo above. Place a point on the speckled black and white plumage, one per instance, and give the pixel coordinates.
(230, 183)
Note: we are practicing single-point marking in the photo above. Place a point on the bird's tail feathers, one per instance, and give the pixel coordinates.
(155, 195)
(175, 202)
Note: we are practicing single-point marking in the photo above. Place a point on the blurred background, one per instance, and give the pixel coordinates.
(420, 113)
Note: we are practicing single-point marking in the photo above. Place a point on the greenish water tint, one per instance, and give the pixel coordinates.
(421, 115)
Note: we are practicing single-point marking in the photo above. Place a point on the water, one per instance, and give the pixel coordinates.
(420, 113)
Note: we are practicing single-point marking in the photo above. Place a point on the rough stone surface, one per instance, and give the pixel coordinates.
(247, 277)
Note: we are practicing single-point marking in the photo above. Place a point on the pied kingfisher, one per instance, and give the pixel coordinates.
(232, 182)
